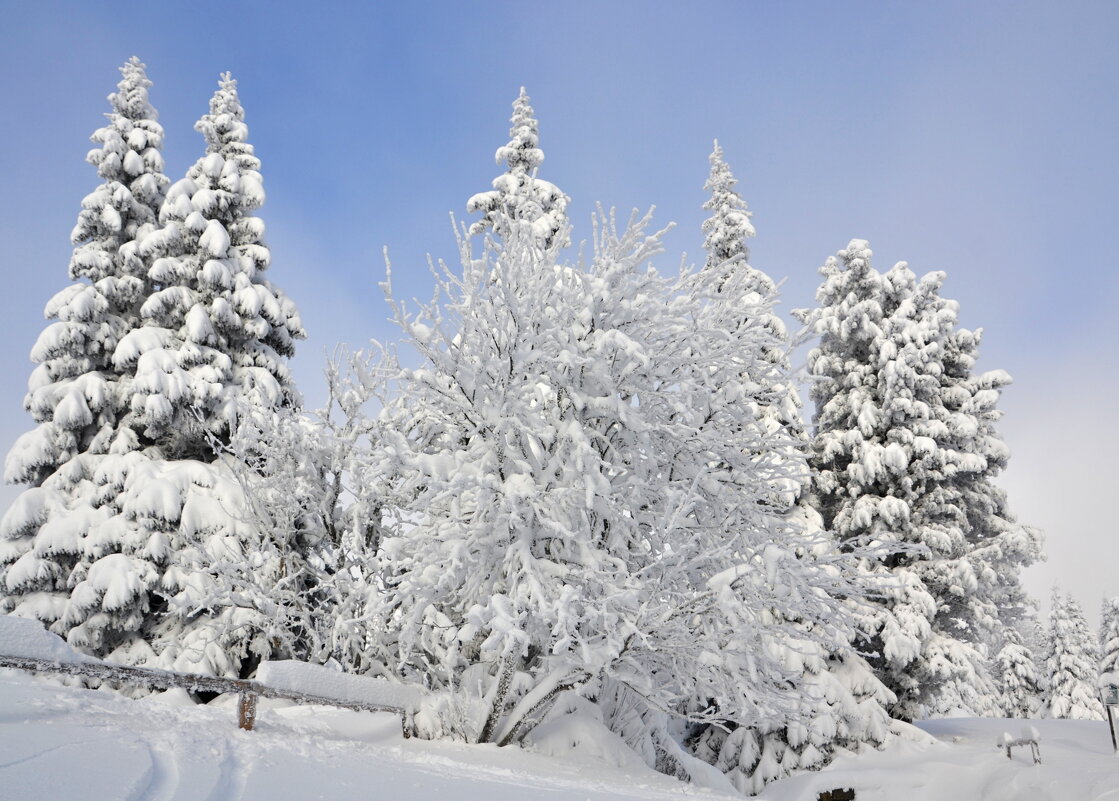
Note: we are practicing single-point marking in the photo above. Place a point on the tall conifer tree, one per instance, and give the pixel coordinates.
(1017, 677)
(1071, 662)
(58, 535)
(843, 704)
(903, 454)
(141, 545)
(216, 332)
(212, 351)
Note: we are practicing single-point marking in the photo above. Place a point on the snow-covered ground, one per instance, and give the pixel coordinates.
(59, 743)
(1078, 764)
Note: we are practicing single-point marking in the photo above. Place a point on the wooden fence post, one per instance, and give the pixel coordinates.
(246, 710)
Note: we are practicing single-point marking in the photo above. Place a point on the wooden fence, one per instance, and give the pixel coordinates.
(248, 691)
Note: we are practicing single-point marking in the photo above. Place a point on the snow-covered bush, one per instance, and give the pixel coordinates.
(307, 481)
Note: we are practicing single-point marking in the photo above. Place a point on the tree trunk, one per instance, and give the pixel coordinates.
(504, 682)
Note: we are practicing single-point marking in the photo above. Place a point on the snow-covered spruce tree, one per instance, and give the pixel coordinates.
(213, 351)
(978, 590)
(1035, 635)
(729, 226)
(1071, 662)
(60, 534)
(143, 542)
(840, 696)
(726, 233)
(1109, 636)
(583, 502)
(216, 332)
(903, 448)
(1017, 678)
(143, 545)
(517, 194)
(852, 489)
(944, 404)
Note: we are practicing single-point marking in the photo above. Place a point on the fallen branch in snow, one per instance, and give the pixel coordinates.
(249, 691)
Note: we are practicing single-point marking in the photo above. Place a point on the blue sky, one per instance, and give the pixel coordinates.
(977, 138)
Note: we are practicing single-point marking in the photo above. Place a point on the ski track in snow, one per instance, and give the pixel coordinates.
(230, 783)
(165, 777)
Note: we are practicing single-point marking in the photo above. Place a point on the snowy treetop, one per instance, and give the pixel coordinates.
(131, 98)
(519, 197)
(729, 226)
(522, 153)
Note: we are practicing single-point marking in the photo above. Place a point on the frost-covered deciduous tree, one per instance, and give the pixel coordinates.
(56, 532)
(280, 582)
(1109, 636)
(314, 479)
(582, 500)
(301, 585)
(1071, 662)
(517, 194)
(903, 456)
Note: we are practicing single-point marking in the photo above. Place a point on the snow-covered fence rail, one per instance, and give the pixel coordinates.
(248, 691)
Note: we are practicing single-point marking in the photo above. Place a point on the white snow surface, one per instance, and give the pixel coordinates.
(62, 743)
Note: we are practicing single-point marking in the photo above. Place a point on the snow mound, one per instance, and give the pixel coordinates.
(29, 640)
(308, 679)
